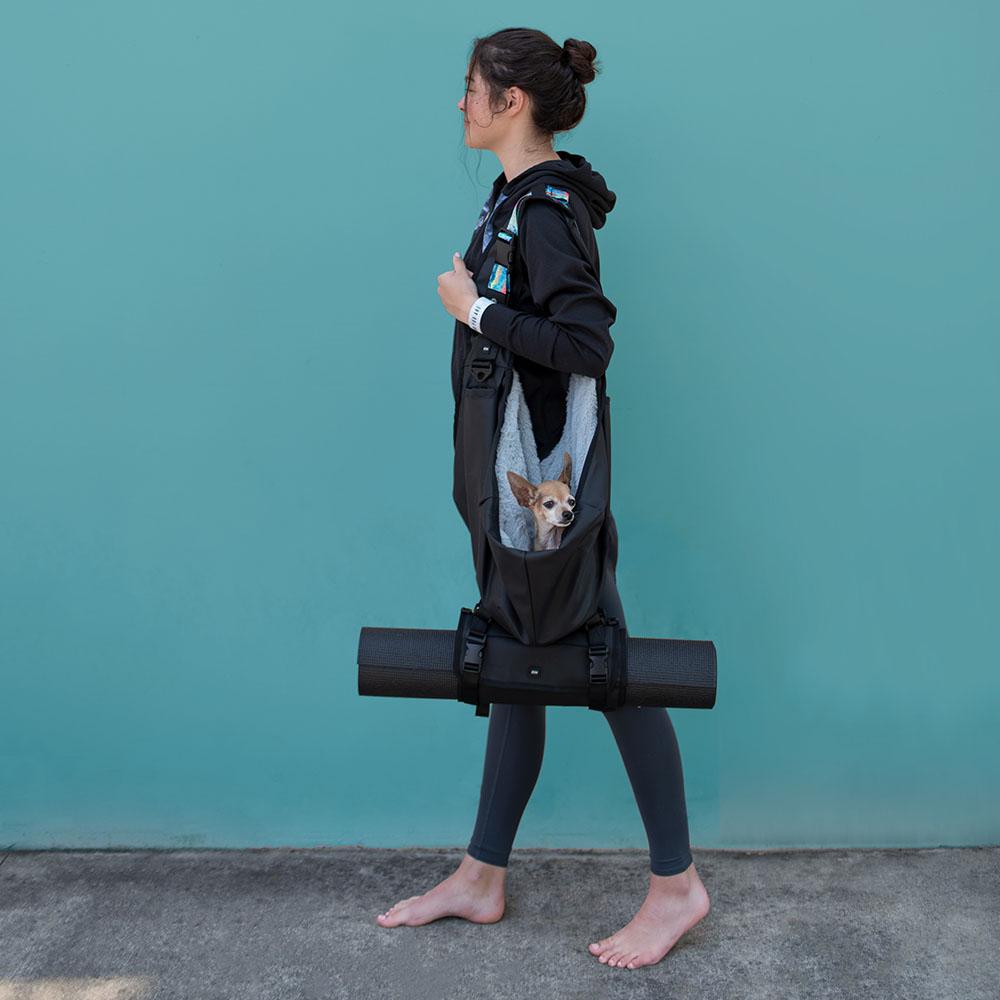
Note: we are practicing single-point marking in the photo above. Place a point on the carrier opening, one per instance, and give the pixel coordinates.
(517, 450)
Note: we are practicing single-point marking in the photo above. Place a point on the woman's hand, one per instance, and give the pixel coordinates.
(457, 289)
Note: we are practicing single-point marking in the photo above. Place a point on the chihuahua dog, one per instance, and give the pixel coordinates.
(551, 503)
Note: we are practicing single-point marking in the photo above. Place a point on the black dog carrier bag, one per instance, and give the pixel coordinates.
(539, 633)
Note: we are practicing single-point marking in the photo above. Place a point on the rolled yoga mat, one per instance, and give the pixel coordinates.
(418, 663)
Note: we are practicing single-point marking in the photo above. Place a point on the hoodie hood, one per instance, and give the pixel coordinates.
(571, 171)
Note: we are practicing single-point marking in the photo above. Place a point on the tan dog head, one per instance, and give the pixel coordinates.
(550, 501)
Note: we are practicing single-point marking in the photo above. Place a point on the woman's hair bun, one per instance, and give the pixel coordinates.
(553, 75)
(579, 56)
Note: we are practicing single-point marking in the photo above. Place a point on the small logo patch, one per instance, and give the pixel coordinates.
(498, 279)
(558, 193)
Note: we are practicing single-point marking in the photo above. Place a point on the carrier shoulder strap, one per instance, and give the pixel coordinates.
(498, 283)
(500, 274)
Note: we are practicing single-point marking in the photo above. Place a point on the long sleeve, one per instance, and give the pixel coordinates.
(574, 334)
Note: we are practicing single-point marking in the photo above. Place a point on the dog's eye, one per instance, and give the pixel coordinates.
(549, 503)
(571, 502)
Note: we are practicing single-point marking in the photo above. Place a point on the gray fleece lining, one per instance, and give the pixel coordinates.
(518, 451)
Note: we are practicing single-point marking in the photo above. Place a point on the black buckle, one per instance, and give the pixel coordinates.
(481, 369)
(474, 645)
(598, 663)
(472, 663)
(502, 246)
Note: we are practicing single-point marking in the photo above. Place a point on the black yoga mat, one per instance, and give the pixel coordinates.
(417, 663)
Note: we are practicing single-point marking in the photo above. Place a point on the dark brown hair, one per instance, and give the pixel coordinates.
(553, 75)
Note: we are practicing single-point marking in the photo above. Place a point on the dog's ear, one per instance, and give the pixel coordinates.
(524, 492)
(566, 469)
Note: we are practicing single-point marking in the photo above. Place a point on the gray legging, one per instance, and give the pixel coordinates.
(646, 740)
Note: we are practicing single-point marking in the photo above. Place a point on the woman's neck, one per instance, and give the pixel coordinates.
(516, 161)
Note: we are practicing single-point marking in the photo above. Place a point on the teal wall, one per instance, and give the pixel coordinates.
(225, 418)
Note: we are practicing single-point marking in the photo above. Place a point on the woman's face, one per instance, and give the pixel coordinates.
(481, 127)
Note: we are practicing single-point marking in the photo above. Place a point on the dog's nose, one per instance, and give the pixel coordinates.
(567, 516)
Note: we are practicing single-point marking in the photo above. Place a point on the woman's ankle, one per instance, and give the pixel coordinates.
(678, 883)
(481, 872)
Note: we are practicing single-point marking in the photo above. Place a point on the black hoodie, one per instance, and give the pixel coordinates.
(556, 319)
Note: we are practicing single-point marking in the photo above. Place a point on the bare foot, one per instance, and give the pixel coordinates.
(673, 905)
(475, 891)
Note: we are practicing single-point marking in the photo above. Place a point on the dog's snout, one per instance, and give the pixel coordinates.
(567, 516)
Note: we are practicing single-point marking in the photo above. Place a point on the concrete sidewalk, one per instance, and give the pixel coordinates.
(263, 924)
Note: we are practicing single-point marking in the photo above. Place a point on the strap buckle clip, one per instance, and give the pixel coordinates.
(481, 369)
(598, 663)
(474, 645)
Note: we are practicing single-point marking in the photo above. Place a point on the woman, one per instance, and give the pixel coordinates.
(522, 88)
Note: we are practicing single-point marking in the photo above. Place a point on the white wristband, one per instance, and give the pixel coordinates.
(476, 311)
